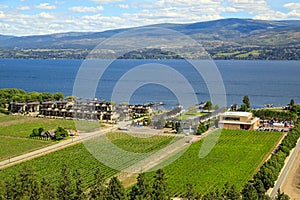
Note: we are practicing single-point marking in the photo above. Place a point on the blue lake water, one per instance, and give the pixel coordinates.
(265, 82)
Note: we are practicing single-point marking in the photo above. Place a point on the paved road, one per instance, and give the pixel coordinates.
(285, 170)
(52, 148)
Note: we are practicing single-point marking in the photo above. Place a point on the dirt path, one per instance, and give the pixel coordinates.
(291, 184)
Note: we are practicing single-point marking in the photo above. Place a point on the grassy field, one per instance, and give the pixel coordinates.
(235, 158)
(15, 131)
(191, 114)
(78, 157)
(11, 146)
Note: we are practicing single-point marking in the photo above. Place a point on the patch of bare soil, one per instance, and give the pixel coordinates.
(291, 185)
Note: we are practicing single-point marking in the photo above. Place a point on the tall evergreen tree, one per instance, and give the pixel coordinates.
(115, 190)
(64, 189)
(160, 187)
(246, 101)
(141, 190)
(98, 189)
(249, 192)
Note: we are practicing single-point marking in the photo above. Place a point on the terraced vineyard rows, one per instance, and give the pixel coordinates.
(234, 159)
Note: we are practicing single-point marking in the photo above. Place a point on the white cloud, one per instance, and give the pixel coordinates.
(292, 6)
(45, 15)
(83, 9)
(46, 6)
(124, 6)
(106, 1)
(2, 15)
(3, 6)
(23, 8)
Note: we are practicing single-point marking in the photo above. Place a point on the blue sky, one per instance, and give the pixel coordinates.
(36, 17)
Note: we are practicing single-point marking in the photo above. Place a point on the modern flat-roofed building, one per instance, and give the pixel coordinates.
(238, 120)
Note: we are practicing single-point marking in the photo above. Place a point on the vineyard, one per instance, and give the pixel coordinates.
(78, 157)
(139, 145)
(11, 146)
(235, 158)
(15, 130)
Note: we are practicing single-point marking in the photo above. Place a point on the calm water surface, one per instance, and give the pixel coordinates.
(265, 82)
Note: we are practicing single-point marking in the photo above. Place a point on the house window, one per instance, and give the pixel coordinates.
(231, 118)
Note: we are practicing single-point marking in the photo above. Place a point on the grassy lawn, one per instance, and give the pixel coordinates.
(19, 126)
(15, 131)
(23, 127)
(11, 147)
(5, 118)
(235, 158)
(191, 114)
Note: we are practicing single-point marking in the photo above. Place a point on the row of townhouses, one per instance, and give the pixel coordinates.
(94, 110)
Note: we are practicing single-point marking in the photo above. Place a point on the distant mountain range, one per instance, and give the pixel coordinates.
(220, 37)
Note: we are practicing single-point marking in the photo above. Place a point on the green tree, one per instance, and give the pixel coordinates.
(64, 189)
(115, 190)
(244, 107)
(249, 192)
(46, 96)
(141, 190)
(246, 101)
(58, 96)
(190, 192)
(71, 98)
(160, 187)
(281, 196)
(230, 192)
(148, 121)
(160, 123)
(40, 130)
(292, 102)
(35, 133)
(208, 105)
(60, 133)
(260, 189)
(201, 129)
(98, 189)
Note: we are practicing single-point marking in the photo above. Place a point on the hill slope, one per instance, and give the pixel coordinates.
(217, 36)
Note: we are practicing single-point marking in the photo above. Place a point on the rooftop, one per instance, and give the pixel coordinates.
(241, 114)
